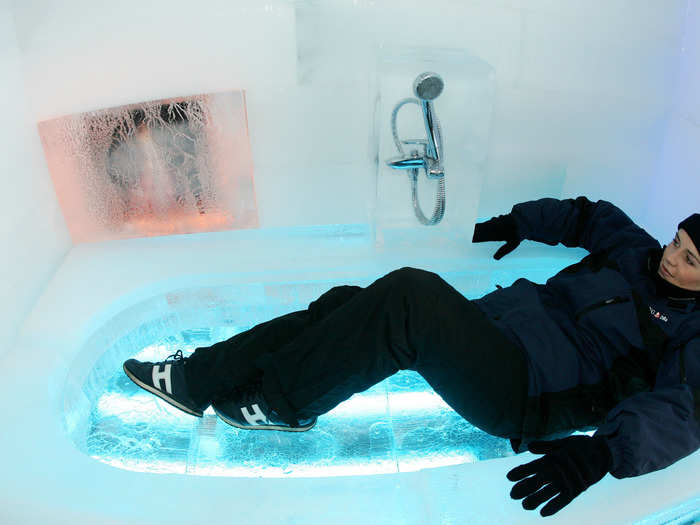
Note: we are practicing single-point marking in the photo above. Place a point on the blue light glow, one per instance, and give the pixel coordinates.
(398, 425)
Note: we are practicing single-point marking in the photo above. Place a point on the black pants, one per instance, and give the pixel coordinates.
(351, 338)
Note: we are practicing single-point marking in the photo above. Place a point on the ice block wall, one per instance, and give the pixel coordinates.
(33, 232)
(542, 99)
(675, 191)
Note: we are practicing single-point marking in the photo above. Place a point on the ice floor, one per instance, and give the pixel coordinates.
(82, 444)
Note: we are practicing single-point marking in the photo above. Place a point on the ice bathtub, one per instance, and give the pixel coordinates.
(77, 446)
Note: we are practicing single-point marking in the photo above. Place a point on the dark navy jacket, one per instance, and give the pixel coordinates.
(605, 350)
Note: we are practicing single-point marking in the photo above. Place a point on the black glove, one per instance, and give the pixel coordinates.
(569, 467)
(501, 228)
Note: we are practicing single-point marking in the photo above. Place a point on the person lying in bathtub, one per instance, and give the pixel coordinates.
(610, 343)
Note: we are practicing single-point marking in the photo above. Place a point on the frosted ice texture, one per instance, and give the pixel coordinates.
(169, 166)
(399, 424)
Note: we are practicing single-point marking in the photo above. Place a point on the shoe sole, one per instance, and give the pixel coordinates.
(160, 394)
(263, 427)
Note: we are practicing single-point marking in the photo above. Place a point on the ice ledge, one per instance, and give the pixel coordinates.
(133, 269)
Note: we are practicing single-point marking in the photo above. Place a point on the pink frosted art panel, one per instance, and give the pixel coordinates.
(180, 165)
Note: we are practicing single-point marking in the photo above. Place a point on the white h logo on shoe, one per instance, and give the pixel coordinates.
(164, 375)
(255, 417)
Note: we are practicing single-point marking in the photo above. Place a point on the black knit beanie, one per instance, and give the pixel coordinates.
(692, 227)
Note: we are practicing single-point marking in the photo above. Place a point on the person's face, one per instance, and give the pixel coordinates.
(680, 263)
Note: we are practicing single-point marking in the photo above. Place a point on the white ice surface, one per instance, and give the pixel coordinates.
(47, 479)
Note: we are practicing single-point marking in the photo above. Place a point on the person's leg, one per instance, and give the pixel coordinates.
(408, 319)
(218, 370)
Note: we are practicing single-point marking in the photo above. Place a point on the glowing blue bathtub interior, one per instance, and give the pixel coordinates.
(398, 425)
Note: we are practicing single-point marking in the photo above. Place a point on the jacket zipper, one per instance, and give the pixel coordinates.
(607, 302)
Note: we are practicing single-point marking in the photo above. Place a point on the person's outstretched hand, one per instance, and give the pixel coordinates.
(501, 228)
(569, 466)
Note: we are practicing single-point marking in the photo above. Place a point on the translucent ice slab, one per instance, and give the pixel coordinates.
(398, 425)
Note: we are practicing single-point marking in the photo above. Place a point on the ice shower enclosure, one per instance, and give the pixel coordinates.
(179, 165)
(464, 109)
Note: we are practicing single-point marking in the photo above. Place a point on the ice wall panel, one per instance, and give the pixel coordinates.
(688, 100)
(678, 164)
(322, 49)
(654, 17)
(346, 47)
(79, 55)
(33, 234)
(464, 111)
(674, 192)
(338, 40)
(155, 168)
(312, 153)
(589, 53)
(557, 144)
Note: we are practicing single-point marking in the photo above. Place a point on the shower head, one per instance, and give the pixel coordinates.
(428, 86)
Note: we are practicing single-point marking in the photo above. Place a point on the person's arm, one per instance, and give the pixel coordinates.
(652, 430)
(645, 432)
(578, 222)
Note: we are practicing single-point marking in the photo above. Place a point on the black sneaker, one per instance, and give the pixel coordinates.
(249, 410)
(166, 379)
